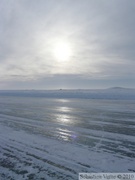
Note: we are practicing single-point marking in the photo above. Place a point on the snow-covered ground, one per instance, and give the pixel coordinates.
(49, 138)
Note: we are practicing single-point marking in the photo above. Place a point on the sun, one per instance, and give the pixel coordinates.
(62, 51)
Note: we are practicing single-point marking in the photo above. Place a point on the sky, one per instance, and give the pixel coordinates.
(57, 44)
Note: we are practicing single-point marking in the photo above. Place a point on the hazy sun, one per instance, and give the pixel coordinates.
(62, 51)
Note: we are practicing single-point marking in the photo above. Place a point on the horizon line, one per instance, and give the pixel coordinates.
(60, 89)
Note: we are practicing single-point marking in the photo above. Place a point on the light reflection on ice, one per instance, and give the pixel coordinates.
(63, 100)
(63, 114)
(65, 138)
(63, 118)
(64, 109)
(67, 135)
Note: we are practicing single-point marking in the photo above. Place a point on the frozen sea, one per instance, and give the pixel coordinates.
(56, 134)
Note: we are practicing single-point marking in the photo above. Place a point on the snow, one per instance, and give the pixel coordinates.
(49, 138)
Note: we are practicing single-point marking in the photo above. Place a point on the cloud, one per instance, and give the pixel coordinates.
(101, 35)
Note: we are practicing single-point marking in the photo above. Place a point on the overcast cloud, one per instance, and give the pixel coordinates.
(101, 34)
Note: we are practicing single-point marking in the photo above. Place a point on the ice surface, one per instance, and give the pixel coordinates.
(49, 138)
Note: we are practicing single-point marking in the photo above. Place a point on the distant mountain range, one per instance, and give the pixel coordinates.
(121, 88)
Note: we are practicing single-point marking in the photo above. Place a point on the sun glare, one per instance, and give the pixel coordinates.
(62, 51)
